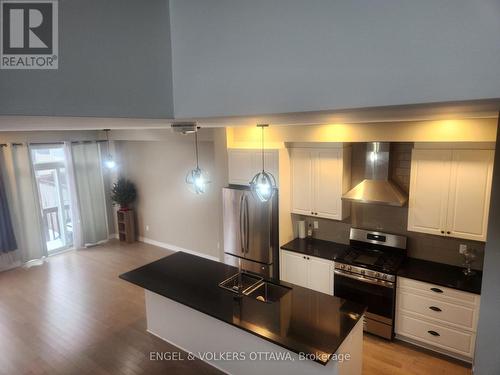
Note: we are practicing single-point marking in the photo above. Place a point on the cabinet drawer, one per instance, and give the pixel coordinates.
(460, 316)
(439, 292)
(460, 342)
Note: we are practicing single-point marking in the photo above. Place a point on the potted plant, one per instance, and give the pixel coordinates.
(123, 193)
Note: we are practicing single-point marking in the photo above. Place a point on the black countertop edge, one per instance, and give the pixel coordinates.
(289, 323)
(441, 274)
(317, 248)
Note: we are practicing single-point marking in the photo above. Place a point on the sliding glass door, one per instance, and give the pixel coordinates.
(50, 169)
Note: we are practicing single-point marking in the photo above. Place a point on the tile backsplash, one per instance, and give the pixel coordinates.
(392, 219)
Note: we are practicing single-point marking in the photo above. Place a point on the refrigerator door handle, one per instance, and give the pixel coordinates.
(247, 226)
(242, 225)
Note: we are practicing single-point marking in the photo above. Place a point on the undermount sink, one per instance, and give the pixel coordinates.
(268, 292)
(240, 282)
(255, 287)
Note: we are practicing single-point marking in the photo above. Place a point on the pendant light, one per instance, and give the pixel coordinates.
(197, 179)
(109, 162)
(263, 184)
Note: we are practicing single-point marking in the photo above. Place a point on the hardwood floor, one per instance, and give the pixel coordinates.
(381, 357)
(73, 315)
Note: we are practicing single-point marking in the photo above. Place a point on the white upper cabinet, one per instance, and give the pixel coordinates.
(319, 177)
(243, 164)
(301, 177)
(429, 187)
(450, 192)
(469, 200)
(240, 166)
(328, 180)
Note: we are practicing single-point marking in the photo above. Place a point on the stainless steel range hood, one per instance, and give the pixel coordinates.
(376, 187)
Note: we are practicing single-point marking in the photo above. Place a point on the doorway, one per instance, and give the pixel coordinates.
(50, 171)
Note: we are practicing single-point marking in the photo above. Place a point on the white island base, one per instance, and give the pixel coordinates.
(208, 338)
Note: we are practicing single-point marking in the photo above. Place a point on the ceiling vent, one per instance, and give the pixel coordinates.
(184, 127)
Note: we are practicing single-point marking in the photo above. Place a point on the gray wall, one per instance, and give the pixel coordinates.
(393, 219)
(487, 360)
(115, 60)
(176, 216)
(260, 56)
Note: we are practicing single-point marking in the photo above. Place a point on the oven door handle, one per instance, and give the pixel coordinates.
(383, 283)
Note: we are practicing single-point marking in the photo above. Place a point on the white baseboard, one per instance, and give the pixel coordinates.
(113, 236)
(176, 248)
(11, 266)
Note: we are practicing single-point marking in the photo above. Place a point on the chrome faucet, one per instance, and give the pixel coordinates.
(240, 282)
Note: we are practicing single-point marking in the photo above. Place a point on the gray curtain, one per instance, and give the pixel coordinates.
(22, 196)
(7, 239)
(90, 191)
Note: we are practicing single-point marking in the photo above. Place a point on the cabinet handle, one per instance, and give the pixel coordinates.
(436, 290)
(304, 257)
(448, 232)
(312, 213)
(433, 333)
(442, 232)
(434, 308)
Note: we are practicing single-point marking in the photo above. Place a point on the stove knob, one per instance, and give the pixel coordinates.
(377, 274)
(349, 268)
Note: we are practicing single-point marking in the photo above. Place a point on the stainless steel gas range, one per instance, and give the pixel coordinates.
(366, 273)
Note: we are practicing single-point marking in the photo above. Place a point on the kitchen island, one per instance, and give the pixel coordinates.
(301, 331)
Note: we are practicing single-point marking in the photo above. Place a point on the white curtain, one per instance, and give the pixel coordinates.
(90, 192)
(73, 194)
(23, 203)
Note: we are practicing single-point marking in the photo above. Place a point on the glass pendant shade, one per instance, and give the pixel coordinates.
(197, 180)
(263, 185)
(109, 162)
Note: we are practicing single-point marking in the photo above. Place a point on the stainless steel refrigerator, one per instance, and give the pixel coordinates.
(251, 231)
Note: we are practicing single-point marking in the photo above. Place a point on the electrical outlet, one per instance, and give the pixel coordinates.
(462, 248)
(316, 224)
(147, 228)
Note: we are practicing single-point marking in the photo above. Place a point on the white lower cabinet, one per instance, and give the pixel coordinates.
(294, 268)
(438, 318)
(307, 271)
(453, 340)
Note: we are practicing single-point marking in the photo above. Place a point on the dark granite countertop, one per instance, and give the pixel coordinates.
(441, 274)
(303, 321)
(316, 248)
(412, 268)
